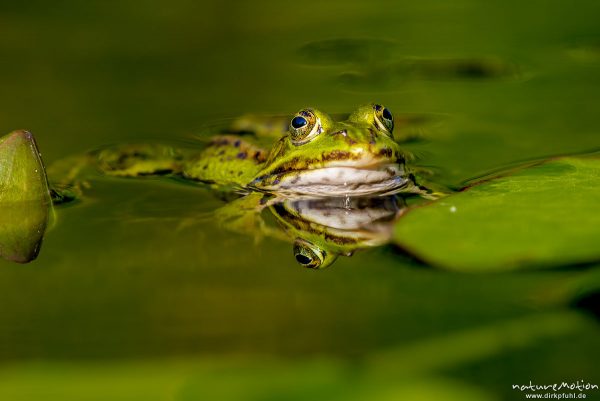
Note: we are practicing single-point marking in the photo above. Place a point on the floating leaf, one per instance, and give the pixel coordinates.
(24, 197)
(544, 215)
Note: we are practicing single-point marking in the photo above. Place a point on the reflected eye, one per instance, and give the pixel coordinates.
(304, 126)
(303, 259)
(307, 254)
(383, 118)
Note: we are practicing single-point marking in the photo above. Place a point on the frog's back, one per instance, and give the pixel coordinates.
(227, 160)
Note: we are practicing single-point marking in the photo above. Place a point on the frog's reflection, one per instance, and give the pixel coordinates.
(325, 228)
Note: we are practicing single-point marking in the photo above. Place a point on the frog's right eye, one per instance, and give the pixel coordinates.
(304, 127)
(383, 118)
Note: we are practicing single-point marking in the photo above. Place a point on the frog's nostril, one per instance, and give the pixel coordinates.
(343, 133)
(386, 152)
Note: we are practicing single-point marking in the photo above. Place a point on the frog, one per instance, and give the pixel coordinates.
(313, 158)
(316, 156)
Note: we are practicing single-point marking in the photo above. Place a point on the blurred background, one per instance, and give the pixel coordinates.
(125, 303)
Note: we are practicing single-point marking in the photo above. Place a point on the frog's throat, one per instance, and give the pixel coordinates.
(337, 181)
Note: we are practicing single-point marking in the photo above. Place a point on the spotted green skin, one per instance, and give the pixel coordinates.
(228, 161)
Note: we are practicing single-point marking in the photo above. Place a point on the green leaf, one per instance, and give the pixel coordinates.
(542, 215)
(25, 201)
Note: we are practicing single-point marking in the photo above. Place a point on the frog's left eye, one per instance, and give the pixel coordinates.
(304, 126)
(383, 118)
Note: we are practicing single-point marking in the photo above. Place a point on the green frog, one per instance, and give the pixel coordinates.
(316, 157)
(269, 166)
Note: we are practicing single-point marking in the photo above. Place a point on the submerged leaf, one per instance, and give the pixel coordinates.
(545, 215)
(24, 197)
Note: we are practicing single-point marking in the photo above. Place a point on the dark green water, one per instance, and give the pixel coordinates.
(126, 302)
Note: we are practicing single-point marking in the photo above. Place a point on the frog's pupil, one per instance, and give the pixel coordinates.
(299, 122)
(302, 259)
(386, 114)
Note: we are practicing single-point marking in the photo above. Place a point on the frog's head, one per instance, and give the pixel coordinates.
(322, 157)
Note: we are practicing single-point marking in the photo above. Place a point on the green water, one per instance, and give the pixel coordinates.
(127, 302)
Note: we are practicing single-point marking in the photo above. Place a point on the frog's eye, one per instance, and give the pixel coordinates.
(383, 118)
(311, 256)
(304, 126)
(299, 122)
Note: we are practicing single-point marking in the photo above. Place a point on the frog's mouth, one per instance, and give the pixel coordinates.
(348, 180)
